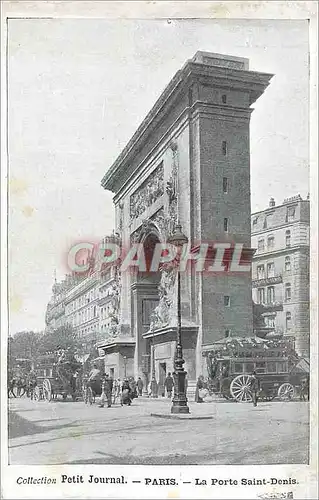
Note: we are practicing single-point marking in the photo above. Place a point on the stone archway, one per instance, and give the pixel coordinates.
(145, 297)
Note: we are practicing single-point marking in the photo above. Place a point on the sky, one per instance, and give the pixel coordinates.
(78, 90)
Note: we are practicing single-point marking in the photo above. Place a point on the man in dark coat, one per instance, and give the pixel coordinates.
(140, 386)
(107, 386)
(126, 393)
(255, 388)
(169, 384)
(304, 389)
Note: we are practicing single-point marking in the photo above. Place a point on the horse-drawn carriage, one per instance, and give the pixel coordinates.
(57, 374)
(231, 362)
(18, 378)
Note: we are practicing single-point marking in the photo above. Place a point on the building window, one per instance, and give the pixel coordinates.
(270, 242)
(226, 225)
(290, 214)
(288, 321)
(270, 294)
(261, 272)
(226, 300)
(270, 270)
(94, 311)
(224, 98)
(261, 367)
(288, 238)
(224, 148)
(270, 321)
(239, 367)
(255, 220)
(227, 333)
(287, 264)
(225, 185)
(261, 245)
(261, 295)
(282, 367)
(271, 367)
(288, 291)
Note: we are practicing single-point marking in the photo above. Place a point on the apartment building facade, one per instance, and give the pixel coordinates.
(280, 270)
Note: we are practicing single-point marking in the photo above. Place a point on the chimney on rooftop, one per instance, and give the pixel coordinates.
(272, 202)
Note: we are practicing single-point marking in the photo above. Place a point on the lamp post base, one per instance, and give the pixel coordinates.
(179, 400)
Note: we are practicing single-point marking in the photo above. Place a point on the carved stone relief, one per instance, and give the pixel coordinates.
(120, 218)
(114, 307)
(163, 312)
(172, 190)
(151, 189)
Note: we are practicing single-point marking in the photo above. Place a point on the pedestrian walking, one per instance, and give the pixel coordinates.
(126, 393)
(304, 389)
(133, 387)
(140, 386)
(107, 386)
(169, 384)
(255, 388)
(199, 389)
(32, 383)
(116, 392)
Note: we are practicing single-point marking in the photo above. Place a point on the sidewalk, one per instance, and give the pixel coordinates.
(161, 408)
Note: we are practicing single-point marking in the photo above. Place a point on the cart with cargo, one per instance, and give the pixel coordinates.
(231, 362)
(58, 374)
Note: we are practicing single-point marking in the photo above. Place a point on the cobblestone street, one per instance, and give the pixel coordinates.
(73, 433)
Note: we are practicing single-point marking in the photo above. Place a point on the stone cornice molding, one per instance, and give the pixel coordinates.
(192, 72)
(201, 108)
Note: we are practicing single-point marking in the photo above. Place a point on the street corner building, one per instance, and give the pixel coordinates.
(188, 162)
(280, 271)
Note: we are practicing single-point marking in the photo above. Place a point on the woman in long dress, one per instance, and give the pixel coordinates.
(126, 393)
(199, 387)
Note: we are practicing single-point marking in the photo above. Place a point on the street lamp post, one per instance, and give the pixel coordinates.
(179, 400)
(154, 385)
(124, 358)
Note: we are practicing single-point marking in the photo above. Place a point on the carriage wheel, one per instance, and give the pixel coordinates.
(286, 392)
(240, 389)
(47, 390)
(15, 391)
(22, 392)
(36, 394)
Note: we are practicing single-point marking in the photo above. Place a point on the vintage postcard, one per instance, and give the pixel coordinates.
(159, 238)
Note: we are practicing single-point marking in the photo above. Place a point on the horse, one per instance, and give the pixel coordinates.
(17, 386)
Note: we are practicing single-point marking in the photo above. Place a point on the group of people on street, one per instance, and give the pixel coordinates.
(114, 391)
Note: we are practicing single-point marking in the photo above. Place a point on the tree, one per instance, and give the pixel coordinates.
(63, 337)
(24, 345)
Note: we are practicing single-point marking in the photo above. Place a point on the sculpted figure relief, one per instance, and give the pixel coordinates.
(162, 314)
(114, 310)
(147, 193)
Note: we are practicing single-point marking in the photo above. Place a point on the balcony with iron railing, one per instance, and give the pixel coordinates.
(267, 281)
(271, 306)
